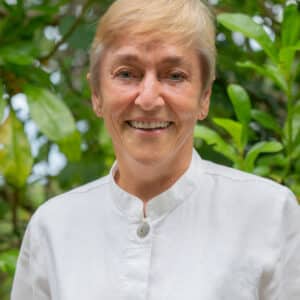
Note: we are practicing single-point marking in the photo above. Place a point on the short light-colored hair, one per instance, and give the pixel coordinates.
(187, 22)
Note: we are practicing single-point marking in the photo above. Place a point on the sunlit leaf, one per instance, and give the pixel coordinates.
(55, 120)
(269, 71)
(257, 149)
(70, 146)
(290, 29)
(244, 24)
(15, 154)
(241, 102)
(233, 128)
(266, 120)
(211, 137)
(52, 116)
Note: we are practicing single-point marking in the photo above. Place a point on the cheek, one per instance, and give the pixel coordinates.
(185, 104)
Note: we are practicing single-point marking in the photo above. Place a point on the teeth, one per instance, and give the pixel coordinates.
(149, 125)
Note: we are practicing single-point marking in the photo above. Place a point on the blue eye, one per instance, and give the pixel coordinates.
(125, 74)
(177, 76)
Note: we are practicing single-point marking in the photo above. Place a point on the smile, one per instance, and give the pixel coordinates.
(149, 125)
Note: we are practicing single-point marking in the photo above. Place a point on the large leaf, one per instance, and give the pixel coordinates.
(15, 154)
(269, 71)
(211, 137)
(257, 149)
(290, 28)
(71, 145)
(241, 103)
(54, 119)
(52, 116)
(233, 128)
(266, 120)
(244, 24)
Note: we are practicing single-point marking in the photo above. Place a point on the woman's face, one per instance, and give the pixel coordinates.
(150, 97)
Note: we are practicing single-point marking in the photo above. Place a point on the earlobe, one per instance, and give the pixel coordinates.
(97, 107)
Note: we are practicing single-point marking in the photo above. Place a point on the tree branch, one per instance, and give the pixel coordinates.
(68, 33)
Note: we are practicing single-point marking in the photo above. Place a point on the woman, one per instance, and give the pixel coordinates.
(164, 224)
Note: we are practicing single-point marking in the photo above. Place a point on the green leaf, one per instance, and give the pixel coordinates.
(269, 71)
(211, 137)
(8, 260)
(241, 103)
(290, 28)
(51, 115)
(277, 159)
(266, 120)
(297, 108)
(286, 58)
(244, 24)
(15, 154)
(19, 54)
(233, 128)
(70, 146)
(257, 149)
(262, 170)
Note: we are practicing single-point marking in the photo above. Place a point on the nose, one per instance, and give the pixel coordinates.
(149, 96)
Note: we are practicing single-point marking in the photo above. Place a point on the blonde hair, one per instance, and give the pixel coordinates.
(188, 22)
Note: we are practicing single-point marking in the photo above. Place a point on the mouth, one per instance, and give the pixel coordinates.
(149, 125)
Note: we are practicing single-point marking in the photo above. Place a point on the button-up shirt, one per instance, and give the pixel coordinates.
(216, 234)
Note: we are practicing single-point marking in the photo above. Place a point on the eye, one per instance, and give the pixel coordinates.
(177, 76)
(127, 74)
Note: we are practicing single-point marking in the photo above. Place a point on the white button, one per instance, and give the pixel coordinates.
(143, 230)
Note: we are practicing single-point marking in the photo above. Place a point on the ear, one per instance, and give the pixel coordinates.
(97, 104)
(204, 104)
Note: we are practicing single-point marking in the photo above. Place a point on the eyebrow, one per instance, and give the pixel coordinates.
(173, 60)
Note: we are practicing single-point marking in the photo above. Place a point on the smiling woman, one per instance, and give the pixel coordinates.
(164, 224)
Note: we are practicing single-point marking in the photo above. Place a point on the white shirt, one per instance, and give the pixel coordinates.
(216, 234)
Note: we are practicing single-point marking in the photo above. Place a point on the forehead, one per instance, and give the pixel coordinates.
(147, 50)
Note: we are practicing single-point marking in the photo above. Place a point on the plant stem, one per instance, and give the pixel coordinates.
(69, 32)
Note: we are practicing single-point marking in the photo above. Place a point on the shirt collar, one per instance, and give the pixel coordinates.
(162, 204)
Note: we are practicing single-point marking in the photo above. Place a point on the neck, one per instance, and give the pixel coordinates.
(148, 181)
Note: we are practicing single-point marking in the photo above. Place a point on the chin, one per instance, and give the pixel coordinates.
(149, 158)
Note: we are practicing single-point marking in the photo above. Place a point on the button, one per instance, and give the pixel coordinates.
(143, 230)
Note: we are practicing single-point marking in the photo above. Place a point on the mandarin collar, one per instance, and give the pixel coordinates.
(162, 204)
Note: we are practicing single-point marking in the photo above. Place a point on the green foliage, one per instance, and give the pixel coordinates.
(8, 261)
(254, 123)
(279, 67)
(15, 155)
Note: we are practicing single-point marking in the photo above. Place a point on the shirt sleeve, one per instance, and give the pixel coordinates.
(285, 284)
(30, 280)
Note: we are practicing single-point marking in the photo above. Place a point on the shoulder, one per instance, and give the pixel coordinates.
(236, 177)
(244, 186)
(80, 200)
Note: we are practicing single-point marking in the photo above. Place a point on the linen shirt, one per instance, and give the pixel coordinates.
(216, 234)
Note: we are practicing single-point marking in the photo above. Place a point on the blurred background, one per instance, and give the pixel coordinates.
(51, 141)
